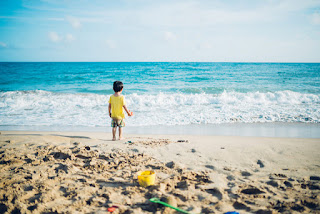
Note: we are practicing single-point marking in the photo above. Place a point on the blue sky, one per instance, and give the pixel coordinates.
(166, 30)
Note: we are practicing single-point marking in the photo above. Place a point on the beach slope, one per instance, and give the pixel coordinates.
(82, 172)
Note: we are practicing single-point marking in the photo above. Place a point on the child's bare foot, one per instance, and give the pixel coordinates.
(121, 138)
(114, 139)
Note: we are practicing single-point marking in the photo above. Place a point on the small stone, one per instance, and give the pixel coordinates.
(48, 158)
(227, 168)
(170, 164)
(259, 162)
(210, 167)
(182, 141)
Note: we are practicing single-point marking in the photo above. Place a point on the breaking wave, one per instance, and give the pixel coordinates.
(67, 109)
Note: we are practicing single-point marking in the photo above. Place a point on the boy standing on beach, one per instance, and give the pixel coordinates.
(116, 105)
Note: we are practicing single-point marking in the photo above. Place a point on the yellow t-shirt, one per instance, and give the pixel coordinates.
(117, 104)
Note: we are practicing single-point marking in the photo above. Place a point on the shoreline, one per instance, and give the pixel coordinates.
(277, 129)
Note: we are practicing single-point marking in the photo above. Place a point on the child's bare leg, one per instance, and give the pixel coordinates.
(120, 133)
(114, 130)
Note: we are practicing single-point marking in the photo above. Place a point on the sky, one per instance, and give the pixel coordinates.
(166, 30)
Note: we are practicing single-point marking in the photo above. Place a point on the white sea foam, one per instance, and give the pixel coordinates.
(62, 109)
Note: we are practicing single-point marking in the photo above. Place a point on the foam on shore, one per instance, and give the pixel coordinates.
(43, 108)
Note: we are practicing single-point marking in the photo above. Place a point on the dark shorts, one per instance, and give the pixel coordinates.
(117, 123)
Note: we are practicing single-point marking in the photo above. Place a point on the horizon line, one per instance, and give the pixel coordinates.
(150, 62)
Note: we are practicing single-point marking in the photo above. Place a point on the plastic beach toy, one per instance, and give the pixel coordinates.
(129, 142)
(157, 200)
(112, 209)
(146, 178)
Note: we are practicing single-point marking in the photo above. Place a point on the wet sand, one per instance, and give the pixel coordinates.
(82, 172)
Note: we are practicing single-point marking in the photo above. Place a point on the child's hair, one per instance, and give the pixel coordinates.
(117, 86)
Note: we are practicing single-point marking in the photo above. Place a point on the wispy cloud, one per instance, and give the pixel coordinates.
(3, 45)
(54, 37)
(69, 37)
(169, 36)
(180, 29)
(176, 13)
(315, 18)
(75, 22)
(55, 19)
(111, 43)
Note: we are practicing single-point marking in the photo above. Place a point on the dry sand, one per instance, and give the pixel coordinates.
(63, 172)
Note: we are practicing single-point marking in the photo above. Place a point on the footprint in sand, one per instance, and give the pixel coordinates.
(288, 184)
(28, 188)
(210, 167)
(62, 167)
(215, 192)
(230, 177)
(34, 198)
(246, 174)
(240, 206)
(31, 208)
(135, 150)
(315, 178)
(273, 183)
(60, 155)
(252, 191)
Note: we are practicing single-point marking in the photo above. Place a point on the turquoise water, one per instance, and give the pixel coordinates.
(76, 94)
(153, 78)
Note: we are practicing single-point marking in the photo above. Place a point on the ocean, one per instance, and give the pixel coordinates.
(45, 95)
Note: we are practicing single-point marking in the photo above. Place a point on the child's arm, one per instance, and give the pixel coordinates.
(110, 109)
(128, 112)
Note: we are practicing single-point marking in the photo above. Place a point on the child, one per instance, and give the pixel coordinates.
(116, 105)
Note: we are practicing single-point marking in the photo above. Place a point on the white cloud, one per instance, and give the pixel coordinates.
(205, 45)
(293, 5)
(55, 19)
(217, 30)
(75, 23)
(316, 18)
(209, 13)
(3, 45)
(169, 36)
(69, 37)
(54, 37)
(111, 44)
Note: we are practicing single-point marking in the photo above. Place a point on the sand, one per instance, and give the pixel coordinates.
(69, 172)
